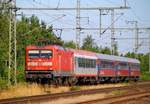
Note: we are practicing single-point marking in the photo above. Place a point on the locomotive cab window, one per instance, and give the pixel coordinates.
(45, 54)
(34, 53)
(40, 54)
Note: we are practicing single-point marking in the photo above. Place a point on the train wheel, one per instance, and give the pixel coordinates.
(28, 80)
(50, 81)
(57, 81)
(73, 81)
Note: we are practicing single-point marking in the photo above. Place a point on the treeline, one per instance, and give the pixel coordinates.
(33, 31)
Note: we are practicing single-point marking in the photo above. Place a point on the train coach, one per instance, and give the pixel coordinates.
(55, 64)
(116, 68)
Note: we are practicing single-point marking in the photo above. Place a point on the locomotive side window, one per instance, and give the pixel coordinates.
(45, 54)
(34, 53)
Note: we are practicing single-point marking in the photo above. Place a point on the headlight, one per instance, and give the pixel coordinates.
(46, 64)
(32, 63)
(39, 63)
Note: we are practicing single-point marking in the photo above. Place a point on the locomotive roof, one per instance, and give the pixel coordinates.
(117, 58)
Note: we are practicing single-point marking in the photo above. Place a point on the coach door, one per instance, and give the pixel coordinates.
(59, 64)
(75, 64)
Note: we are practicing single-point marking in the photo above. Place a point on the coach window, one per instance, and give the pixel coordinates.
(107, 65)
(88, 63)
(93, 65)
(79, 62)
(135, 66)
(123, 66)
(83, 62)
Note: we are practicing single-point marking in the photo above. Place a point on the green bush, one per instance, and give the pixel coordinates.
(20, 74)
(3, 83)
(145, 75)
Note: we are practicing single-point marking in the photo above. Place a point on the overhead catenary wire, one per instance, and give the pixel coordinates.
(58, 3)
(112, 24)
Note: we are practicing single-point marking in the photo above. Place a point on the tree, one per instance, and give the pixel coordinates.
(70, 44)
(143, 58)
(89, 44)
(115, 49)
(105, 50)
(4, 27)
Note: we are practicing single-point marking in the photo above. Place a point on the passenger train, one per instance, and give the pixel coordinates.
(54, 63)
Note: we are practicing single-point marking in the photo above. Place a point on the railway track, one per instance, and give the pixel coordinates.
(118, 99)
(49, 97)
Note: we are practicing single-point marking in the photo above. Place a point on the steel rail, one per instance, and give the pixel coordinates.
(118, 99)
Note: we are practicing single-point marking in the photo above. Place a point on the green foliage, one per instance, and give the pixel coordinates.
(20, 74)
(3, 83)
(70, 44)
(143, 58)
(106, 50)
(89, 44)
(145, 75)
(3, 36)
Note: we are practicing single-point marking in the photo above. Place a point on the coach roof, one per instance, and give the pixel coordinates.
(117, 58)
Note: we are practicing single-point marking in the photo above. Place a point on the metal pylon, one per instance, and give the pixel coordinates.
(12, 43)
(78, 25)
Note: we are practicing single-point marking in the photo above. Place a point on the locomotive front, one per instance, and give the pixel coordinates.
(38, 62)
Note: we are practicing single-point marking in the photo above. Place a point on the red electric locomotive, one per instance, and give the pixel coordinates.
(47, 61)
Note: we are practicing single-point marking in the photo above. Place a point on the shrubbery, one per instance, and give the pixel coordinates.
(145, 75)
(3, 83)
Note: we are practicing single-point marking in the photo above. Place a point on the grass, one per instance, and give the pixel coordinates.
(29, 89)
(21, 89)
(118, 92)
(145, 76)
(75, 88)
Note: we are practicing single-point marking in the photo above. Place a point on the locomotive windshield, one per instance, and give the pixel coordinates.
(40, 54)
(45, 54)
(34, 54)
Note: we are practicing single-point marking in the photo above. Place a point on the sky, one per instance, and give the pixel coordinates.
(90, 19)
